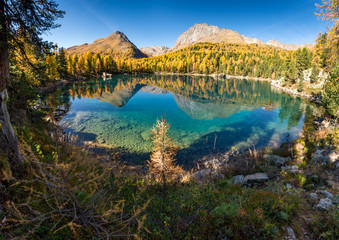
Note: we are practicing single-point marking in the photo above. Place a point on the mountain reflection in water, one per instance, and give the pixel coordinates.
(120, 113)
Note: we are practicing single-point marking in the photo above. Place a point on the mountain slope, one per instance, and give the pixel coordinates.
(154, 50)
(213, 34)
(206, 33)
(116, 44)
(252, 40)
(119, 98)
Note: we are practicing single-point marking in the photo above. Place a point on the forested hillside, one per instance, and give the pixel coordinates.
(206, 58)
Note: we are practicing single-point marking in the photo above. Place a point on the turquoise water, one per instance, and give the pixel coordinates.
(206, 115)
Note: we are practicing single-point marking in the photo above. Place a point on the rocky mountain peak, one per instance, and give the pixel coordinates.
(206, 33)
(118, 36)
(117, 43)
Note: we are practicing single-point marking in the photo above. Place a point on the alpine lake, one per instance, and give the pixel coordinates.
(207, 116)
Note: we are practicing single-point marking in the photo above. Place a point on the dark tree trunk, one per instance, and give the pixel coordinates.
(9, 144)
(4, 61)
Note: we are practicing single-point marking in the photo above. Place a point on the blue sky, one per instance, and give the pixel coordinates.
(159, 23)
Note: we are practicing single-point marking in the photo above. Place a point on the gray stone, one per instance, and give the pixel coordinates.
(206, 174)
(324, 204)
(327, 194)
(313, 196)
(257, 177)
(325, 156)
(202, 174)
(214, 163)
(277, 160)
(318, 155)
(290, 235)
(239, 179)
(291, 169)
(219, 176)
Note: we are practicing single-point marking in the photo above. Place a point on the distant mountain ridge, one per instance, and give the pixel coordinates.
(116, 44)
(154, 50)
(278, 44)
(209, 33)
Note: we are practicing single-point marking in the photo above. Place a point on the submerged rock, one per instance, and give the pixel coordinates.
(146, 135)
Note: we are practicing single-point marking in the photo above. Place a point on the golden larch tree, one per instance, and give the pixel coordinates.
(162, 162)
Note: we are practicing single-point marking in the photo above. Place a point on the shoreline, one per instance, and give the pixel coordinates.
(222, 76)
(214, 75)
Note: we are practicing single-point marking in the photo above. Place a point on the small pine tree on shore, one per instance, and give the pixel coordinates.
(162, 162)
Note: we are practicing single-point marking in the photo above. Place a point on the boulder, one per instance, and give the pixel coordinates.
(219, 176)
(257, 177)
(202, 174)
(324, 204)
(325, 156)
(206, 174)
(313, 196)
(239, 179)
(277, 160)
(291, 169)
(290, 235)
(327, 194)
(214, 163)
